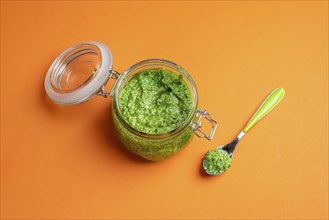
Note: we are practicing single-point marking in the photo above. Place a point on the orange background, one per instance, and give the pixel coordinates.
(66, 162)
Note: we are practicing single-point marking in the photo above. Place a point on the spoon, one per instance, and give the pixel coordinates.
(269, 103)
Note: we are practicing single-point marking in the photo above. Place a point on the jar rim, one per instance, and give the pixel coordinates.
(163, 63)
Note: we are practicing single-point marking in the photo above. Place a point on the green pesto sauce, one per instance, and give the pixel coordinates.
(217, 161)
(155, 101)
(147, 148)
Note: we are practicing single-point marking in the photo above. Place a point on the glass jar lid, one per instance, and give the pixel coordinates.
(79, 73)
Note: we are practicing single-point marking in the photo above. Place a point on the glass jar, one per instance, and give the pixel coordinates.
(81, 73)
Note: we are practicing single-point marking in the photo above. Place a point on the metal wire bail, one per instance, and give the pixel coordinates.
(197, 125)
(113, 75)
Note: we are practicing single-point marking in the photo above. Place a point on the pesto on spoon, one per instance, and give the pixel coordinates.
(219, 160)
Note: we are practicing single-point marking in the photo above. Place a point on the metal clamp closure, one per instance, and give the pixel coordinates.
(196, 124)
(113, 75)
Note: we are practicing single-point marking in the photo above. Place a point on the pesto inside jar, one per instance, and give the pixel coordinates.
(155, 101)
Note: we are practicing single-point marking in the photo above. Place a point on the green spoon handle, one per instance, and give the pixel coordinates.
(269, 103)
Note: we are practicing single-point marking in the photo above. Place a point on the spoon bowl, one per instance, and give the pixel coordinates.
(229, 148)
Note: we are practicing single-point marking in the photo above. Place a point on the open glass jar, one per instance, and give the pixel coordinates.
(81, 73)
